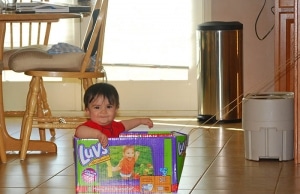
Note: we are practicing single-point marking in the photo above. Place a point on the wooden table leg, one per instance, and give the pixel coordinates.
(2, 127)
(2, 124)
(13, 144)
(8, 143)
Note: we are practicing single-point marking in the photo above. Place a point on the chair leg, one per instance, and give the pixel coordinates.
(28, 115)
(2, 126)
(24, 114)
(86, 83)
(2, 147)
(46, 107)
(40, 113)
(43, 110)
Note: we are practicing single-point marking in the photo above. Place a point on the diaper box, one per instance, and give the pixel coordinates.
(136, 162)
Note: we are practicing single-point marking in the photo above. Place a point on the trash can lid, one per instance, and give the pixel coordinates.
(269, 95)
(220, 25)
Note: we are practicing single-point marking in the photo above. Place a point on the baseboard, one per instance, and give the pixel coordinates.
(139, 113)
(158, 113)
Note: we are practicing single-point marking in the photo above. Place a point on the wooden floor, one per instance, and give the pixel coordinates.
(215, 164)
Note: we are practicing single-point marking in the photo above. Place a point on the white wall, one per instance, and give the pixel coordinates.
(258, 54)
(176, 98)
(180, 97)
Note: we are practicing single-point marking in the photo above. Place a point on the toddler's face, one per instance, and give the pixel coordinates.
(101, 111)
(129, 153)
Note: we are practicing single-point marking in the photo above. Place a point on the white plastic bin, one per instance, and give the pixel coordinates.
(268, 123)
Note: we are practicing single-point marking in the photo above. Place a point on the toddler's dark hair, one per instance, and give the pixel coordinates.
(101, 89)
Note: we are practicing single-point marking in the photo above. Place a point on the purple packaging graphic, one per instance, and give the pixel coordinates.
(136, 162)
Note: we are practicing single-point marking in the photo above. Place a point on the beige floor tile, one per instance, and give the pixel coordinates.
(14, 190)
(52, 191)
(207, 151)
(17, 181)
(237, 183)
(288, 185)
(215, 163)
(59, 182)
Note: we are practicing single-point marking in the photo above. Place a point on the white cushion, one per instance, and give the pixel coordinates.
(26, 59)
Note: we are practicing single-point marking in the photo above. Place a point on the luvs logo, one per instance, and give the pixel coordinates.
(93, 152)
(181, 148)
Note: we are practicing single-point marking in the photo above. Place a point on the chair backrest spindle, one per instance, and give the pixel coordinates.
(94, 37)
(30, 33)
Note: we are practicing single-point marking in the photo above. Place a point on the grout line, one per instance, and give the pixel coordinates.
(211, 164)
(276, 186)
(52, 176)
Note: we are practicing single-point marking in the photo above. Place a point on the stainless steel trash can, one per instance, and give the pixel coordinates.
(220, 71)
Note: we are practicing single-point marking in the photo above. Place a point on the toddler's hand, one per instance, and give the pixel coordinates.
(103, 140)
(137, 153)
(147, 121)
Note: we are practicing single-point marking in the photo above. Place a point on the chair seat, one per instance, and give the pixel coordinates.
(8, 52)
(21, 60)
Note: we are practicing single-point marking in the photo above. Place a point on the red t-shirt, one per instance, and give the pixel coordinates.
(127, 166)
(111, 130)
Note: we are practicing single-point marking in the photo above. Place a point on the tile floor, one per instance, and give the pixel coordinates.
(215, 164)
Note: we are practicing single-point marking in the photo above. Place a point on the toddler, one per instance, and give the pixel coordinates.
(101, 102)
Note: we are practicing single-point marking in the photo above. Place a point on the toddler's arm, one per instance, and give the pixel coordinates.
(137, 154)
(90, 133)
(132, 123)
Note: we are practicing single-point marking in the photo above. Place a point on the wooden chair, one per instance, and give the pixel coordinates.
(2, 144)
(30, 34)
(40, 64)
(2, 147)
